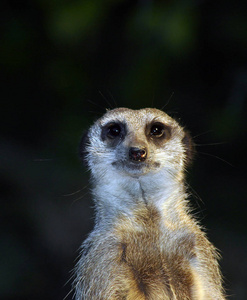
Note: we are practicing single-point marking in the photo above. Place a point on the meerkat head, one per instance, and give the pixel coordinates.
(135, 143)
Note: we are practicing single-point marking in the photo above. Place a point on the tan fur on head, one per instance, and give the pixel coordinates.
(145, 244)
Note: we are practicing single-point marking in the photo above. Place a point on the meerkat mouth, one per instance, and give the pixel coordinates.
(136, 167)
(130, 165)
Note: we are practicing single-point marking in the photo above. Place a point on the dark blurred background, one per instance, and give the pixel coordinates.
(62, 64)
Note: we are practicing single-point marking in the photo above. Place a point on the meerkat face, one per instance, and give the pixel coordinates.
(136, 142)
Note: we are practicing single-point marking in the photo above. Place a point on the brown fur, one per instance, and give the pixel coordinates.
(145, 244)
(149, 267)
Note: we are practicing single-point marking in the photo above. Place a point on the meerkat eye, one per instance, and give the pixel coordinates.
(157, 130)
(113, 131)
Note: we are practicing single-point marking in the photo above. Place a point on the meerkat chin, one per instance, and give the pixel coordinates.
(145, 243)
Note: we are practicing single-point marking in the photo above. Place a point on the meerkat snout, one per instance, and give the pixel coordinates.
(137, 154)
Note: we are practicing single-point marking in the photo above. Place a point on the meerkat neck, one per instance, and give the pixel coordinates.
(128, 194)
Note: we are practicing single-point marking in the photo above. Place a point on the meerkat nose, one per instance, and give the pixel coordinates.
(137, 154)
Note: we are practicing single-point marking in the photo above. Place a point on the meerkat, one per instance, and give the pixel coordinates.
(145, 243)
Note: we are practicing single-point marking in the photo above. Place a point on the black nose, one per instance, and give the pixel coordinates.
(137, 154)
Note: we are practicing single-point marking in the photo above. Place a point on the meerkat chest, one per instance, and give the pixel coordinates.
(153, 266)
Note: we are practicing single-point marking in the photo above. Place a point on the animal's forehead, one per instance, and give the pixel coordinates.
(136, 117)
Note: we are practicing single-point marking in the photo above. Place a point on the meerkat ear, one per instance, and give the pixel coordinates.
(189, 147)
(82, 146)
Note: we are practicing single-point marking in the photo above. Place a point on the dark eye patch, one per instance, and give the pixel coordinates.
(113, 132)
(158, 130)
